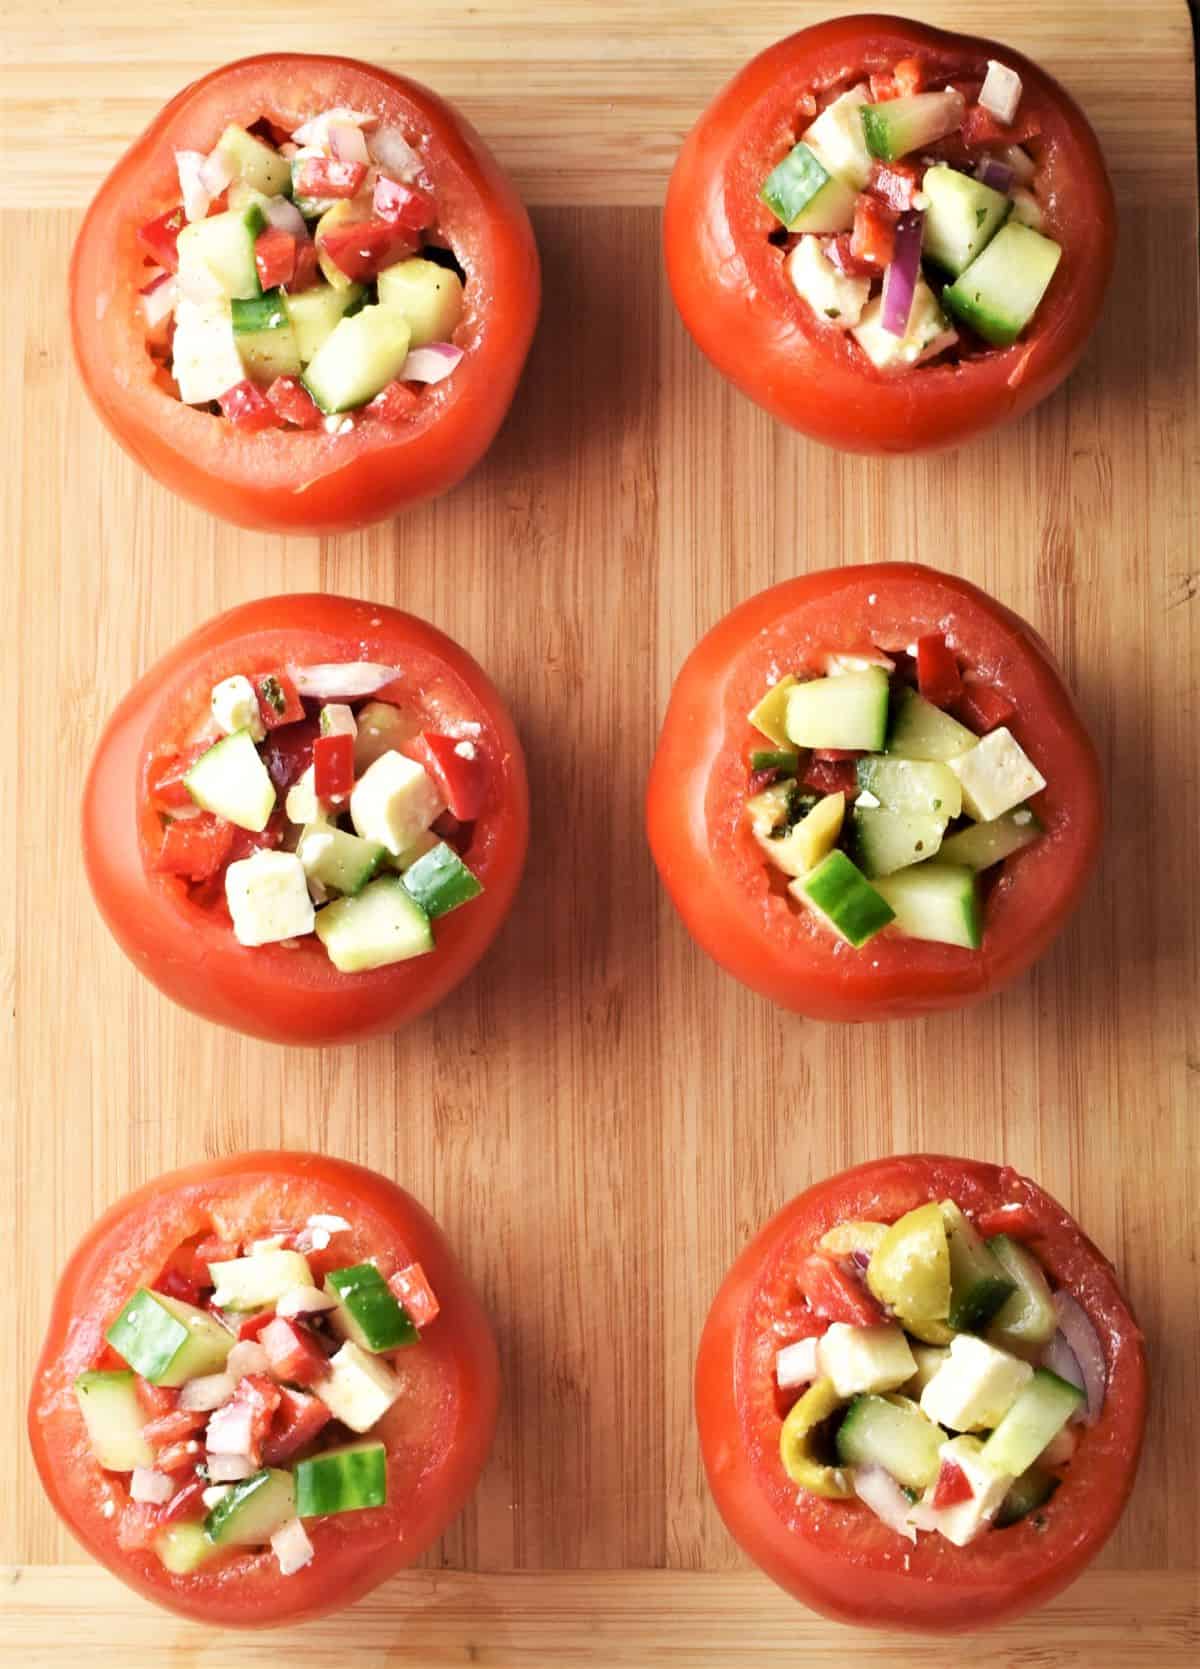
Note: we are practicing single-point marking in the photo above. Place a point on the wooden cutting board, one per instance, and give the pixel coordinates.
(599, 1117)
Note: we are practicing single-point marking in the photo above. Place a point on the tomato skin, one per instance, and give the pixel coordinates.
(187, 949)
(437, 1458)
(730, 288)
(837, 1557)
(711, 865)
(304, 481)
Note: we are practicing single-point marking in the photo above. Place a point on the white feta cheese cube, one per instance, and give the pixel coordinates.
(996, 775)
(394, 801)
(291, 1547)
(838, 134)
(796, 1364)
(1001, 91)
(267, 895)
(860, 1359)
(962, 1522)
(360, 1388)
(828, 292)
(975, 1387)
(302, 805)
(204, 356)
(338, 720)
(235, 707)
(929, 333)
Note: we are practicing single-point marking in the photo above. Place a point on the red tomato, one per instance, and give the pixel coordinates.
(938, 677)
(185, 945)
(362, 248)
(437, 1436)
(245, 406)
(293, 1353)
(307, 482)
(308, 268)
(1015, 1220)
(730, 286)
(297, 1421)
(462, 777)
(275, 257)
(160, 238)
(411, 1286)
(835, 1295)
(896, 182)
(714, 870)
(873, 240)
(982, 708)
(395, 404)
(195, 847)
(173, 1427)
(837, 1556)
(406, 205)
(952, 1486)
(319, 176)
(294, 403)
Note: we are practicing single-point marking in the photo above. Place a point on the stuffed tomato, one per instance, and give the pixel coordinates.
(921, 1396)
(266, 1387)
(309, 820)
(304, 296)
(890, 237)
(872, 796)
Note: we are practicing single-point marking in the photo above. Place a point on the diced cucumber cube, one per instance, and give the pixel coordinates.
(217, 254)
(368, 1312)
(979, 1285)
(841, 895)
(1001, 290)
(265, 339)
(316, 312)
(253, 1510)
(359, 358)
(359, 1388)
(887, 841)
(168, 1341)
(231, 780)
(428, 295)
(922, 731)
(935, 901)
(257, 164)
(382, 924)
(261, 1279)
(341, 862)
(1038, 1414)
(114, 1417)
(985, 844)
(183, 1548)
(902, 125)
(440, 881)
(846, 712)
(962, 217)
(1028, 1317)
(342, 1480)
(806, 195)
(894, 1435)
(921, 786)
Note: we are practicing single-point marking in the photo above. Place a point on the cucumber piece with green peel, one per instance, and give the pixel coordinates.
(368, 1311)
(1027, 1318)
(253, 1510)
(806, 195)
(339, 861)
(183, 1548)
(342, 1480)
(838, 892)
(886, 841)
(364, 352)
(899, 126)
(316, 312)
(919, 730)
(983, 844)
(962, 218)
(256, 164)
(1001, 290)
(440, 881)
(216, 256)
(231, 781)
(979, 1283)
(1029, 1492)
(428, 295)
(380, 925)
(114, 1417)
(265, 339)
(775, 759)
(168, 1341)
(1040, 1412)
(850, 711)
(935, 901)
(925, 787)
(878, 1431)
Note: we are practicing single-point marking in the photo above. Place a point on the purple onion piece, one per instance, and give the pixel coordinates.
(900, 279)
(996, 174)
(1080, 1338)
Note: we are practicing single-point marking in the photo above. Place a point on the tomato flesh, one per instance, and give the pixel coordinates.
(160, 238)
(324, 177)
(247, 408)
(938, 677)
(394, 403)
(294, 404)
(196, 848)
(275, 257)
(952, 1486)
(403, 205)
(363, 248)
(835, 1295)
(461, 775)
(333, 768)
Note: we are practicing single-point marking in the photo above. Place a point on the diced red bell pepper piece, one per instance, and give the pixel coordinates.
(393, 403)
(984, 708)
(296, 1423)
(279, 700)
(837, 756)
(177, 1457)
(363, 248)
(275, 257)
(333, 768)
(321, 176)
(896, 183)
(174, 1427)
(835, 1294)
(173, 1283)
(462, 776)
(454, 832)
(952, 1487)
(252, 1325)
(1015, 1220)
(308, 268)
(980, 127)
(848, 264)
(938, 677)
(404, 205)
(411, 1287)
(246, 407)
(293, 1352)
(164, 778)
(185, 1503)
(157, 1400)
(294, 404)
(195, 848)
(160, 237)
(873, 238)
(828, 776)
(909, 76)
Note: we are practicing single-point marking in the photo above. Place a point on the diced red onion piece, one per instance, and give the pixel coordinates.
(247, 1356)
(291, 1546)
(159, 298)
(430, 363)
(796, 1364)
(878, 1490)
(392, 151)
(189, 165)
(1060, 1359)
(1085, 1347)
(150, 1486)
(231, 1430)
(995, 173)
(316, 130)
(304, 1301)
(348, 679)
(283, 214)
(900, 279)
(201, 1396)
(346, 142)
(216, 172)
(1001, 92)
(230, 1469)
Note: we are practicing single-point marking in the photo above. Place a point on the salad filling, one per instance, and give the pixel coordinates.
(884, 810)
(248, 1402)
(302, 279)
(940, 1378)
(310, 804)
(910, 214)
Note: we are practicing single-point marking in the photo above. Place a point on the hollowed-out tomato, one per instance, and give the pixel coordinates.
(715, 871)
(437, 1434)
(728, 277)
(837, 1556)
(308, 479)
(179, 933)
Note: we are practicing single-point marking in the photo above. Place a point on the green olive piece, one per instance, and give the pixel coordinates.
(795, 1443)
(910, 1273)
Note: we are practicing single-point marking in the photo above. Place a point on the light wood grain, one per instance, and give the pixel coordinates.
(599, 1117)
